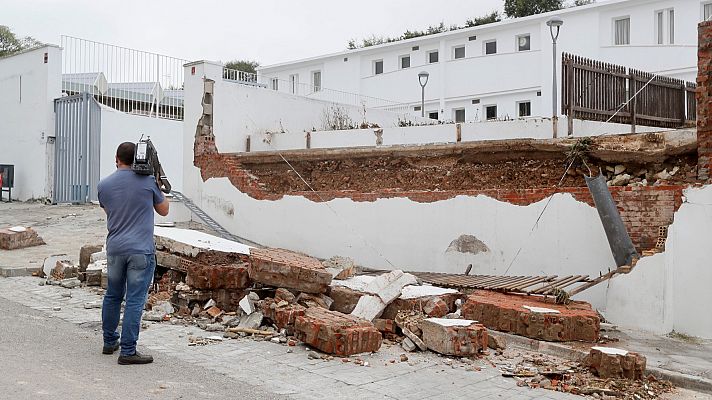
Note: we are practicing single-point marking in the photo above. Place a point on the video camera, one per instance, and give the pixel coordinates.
(146, 163)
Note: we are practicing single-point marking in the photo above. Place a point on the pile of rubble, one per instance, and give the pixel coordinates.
(233, 291)
(604, 373)
(622, 175)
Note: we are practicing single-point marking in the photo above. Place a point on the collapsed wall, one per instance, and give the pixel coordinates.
(491, 205)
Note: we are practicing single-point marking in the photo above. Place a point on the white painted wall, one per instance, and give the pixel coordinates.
(28, 87)
(508, 76)
(118, 127)
(534, 128)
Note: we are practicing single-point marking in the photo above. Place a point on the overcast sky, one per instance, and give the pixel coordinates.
(269, 31)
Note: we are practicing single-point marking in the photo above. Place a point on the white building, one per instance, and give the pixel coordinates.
(504, 70)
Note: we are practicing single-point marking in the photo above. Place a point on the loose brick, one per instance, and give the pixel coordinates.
(455, 337)
(287, 269)
(505, 312)
(336, 333)
(19, 238)
(608, 362)
(384, 325)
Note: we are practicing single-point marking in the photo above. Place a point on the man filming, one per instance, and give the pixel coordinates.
(129, 200)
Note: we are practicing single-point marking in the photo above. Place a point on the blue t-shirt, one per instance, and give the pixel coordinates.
(128, 199)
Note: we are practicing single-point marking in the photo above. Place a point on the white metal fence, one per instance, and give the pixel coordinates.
(129, 80)
(312, 91)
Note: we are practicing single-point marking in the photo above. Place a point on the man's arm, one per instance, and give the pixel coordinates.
(162, 207)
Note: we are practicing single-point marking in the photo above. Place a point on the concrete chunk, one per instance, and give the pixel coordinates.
(608, 362)
(369, 307)
(389, 285)
(455, 337)
(19, 237)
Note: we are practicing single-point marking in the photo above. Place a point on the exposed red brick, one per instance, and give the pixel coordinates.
(336, 333)
(287, 269)
(466, 340)
(385, 325)
(282, 316)
(704, 101)
(211, 277)
(629, 366)
(505, 312)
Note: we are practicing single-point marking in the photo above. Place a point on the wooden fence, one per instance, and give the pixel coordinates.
(598, 91)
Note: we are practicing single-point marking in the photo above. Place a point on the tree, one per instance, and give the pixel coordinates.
(582, 2)
(243, 65)
(523, 8)
(11, 44)
(483, 20)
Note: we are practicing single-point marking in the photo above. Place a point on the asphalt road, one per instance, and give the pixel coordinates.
(45, 357)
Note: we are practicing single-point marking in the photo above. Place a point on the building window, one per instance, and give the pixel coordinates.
(706, 11)
(491, 112)
(294, 83)
(433, 57)
(417, 108)
(621, 27)
(459, 115)
(524, 42)
(490, 47)
(660, 20)
(415, 48)
(472, 38)
(405, 62)
(459, 52)
(275, 84)
(378, 67)
(524, 109)
(433, 115)
(316, 81)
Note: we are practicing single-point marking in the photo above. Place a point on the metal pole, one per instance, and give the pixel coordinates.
(422, 102)
(554, 114)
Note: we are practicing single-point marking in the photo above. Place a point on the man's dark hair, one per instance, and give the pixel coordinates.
(125, 152)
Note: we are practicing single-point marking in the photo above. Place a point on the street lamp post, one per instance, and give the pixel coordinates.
(554, 25)
(423, 77)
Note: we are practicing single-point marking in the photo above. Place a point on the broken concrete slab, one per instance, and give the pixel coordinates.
(51, 262)
(287, 269)
(414, 338)
(388, 286)
(506, 313)
(369, 307)
(246, 305)
(336, 333)
(408, 345)
(455, 337)
(252, 321)
(19, 237)
(191, 243)
(608, 362)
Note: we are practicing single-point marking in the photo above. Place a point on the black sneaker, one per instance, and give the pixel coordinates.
(136, 358)
(110, 349)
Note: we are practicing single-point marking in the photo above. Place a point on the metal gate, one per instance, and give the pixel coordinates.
(77, 146)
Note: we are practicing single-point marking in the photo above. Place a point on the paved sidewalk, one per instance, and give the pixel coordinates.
(269, 367)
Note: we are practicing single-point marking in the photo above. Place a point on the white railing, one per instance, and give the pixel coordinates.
(316, 92)
(129, 80)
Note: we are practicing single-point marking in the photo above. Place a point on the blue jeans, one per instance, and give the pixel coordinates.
(130, 276)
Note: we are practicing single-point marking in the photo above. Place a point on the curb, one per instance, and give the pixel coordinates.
(560, 350)
(12, 272)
